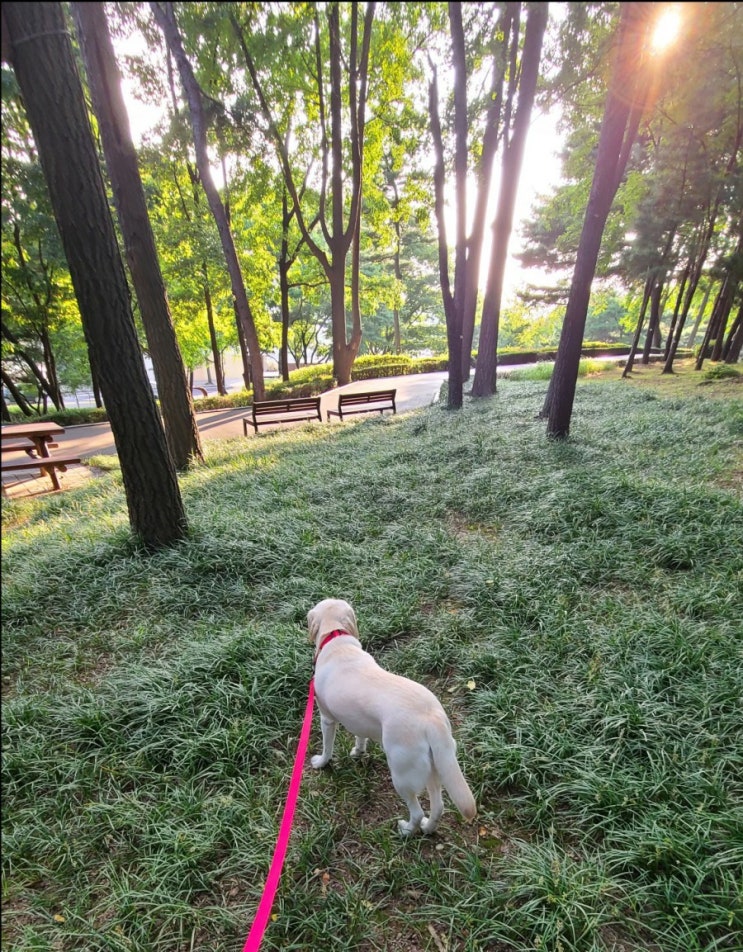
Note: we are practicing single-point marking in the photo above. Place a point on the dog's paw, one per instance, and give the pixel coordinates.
(427, 827)
(318, 761)
(359, 748)
(405, 828)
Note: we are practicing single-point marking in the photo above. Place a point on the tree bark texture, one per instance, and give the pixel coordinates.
(165, 19)
(45, 67)
(104, 79)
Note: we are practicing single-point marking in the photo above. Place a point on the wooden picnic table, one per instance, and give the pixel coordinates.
(36, 441)
(40, 434)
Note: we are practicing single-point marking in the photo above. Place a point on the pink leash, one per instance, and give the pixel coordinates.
(255, 937)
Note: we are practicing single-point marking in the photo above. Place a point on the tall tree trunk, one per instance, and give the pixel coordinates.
(284, 265)
(20, 400)
(342, 239)
(629, 364)
(626, 101)
(676, 310)
(735, 339)
(216, 353)
(45, 387)
(285, 317)
(677, 323)
(454, 330)
(104, 79)
(165, 18)
(45, 67)
(513, 153)
(396, 337)
(337, 238)
(722, 320)
(49, 382)
(356, 290)
(711, 332)
(50, 362)
(443, 246)
(674, 336)
(505, 48)
(734, 266)
(655, 311)
(700, 314)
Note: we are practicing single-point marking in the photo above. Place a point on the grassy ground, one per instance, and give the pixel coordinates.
(577, 606)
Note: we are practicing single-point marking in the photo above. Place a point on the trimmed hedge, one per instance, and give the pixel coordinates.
(72, 417)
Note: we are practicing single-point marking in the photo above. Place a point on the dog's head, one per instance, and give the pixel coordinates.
(328, 615)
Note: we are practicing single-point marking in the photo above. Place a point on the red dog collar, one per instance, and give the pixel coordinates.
(329, 637)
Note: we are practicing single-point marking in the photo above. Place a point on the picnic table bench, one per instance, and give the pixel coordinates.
(368, 401)
(45, 464)
(23, 446)
(291, 410)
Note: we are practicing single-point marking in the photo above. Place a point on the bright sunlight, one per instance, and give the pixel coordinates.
(667, 28)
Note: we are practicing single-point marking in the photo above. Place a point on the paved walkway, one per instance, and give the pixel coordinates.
(96, 439)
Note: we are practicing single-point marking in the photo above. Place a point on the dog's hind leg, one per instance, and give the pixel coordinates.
(408, 772)
(329, 727)
(407, 827)
(436, 804)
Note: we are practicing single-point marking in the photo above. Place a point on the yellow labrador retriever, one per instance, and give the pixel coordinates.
(401, 715)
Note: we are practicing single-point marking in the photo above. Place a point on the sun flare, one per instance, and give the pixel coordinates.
(667, 28)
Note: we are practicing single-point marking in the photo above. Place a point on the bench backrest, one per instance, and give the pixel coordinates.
(262, 407)
(377, 396)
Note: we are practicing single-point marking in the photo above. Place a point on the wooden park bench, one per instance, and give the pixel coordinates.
(372, 401)
(293, 410)
(45, 464)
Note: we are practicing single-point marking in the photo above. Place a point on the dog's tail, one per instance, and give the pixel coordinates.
(444, 753)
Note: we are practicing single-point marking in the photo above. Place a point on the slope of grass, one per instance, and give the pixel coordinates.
(577, 606)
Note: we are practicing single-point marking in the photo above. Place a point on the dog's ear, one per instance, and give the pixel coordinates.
(349, 621)
(313, 623)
